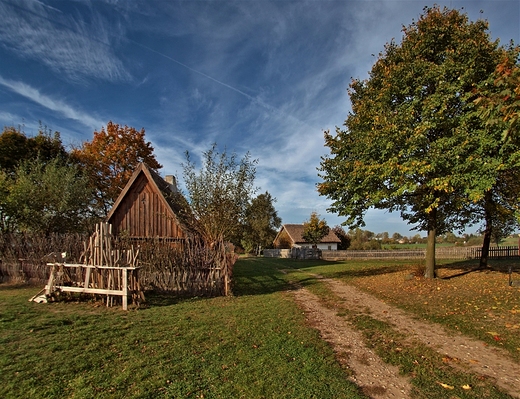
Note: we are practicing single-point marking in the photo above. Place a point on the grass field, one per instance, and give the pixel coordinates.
(252, 345)
(478, 303)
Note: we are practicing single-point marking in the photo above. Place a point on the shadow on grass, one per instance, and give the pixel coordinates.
(251, 276)
(17, 286)
(160, 299)
(368, 272)
(465, 267)
(259, 276)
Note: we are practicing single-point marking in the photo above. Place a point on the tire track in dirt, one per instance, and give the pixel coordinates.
(472, 355)
(374, 377)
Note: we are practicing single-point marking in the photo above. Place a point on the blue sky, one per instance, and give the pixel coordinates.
(266, 77)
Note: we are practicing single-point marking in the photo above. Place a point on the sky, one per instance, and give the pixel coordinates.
(264, 77)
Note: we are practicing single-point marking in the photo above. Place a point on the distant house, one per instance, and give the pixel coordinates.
(149, 207)
(290, 236)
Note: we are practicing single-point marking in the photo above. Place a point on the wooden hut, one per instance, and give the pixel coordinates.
(291, 236)
(151, 210)
(149, 207)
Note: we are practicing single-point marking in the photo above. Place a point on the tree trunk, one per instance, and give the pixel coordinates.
(429, 271)
(487, 232)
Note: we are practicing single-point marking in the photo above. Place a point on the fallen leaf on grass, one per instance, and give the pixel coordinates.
(495, 335)
(448, 359)
(466, 387)
(446, 386)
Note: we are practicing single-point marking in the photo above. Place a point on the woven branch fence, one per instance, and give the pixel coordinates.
(189, 268)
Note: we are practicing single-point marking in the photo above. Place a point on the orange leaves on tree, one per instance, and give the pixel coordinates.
(111, 158)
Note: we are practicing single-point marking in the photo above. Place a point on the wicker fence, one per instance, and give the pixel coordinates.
(193, 270)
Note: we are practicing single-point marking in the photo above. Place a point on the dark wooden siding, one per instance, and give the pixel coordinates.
(144, 213)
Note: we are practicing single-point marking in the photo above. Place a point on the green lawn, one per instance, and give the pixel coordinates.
(252, 345)
(480, 304)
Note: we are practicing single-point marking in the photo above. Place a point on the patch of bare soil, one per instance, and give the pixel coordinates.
(471, 355)
(375, 378)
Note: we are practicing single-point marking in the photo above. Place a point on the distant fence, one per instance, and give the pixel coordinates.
(440, 253)
(294, 253)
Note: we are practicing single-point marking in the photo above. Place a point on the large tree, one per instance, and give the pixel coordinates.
(343, 236)
(498, 104)
(409, 144)
(45, 197)
(16, 147)
(220, 192)
(261, 223)
(110, 159)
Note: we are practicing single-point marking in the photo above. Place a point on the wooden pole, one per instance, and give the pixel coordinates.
(125, 288)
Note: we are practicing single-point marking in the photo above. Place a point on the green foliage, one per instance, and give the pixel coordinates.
(220, 193)
(363, 240)
(315, 229)
(499, 97)
(7, 223)
(261, 223)
(13, 148)
(44, 197)
(343, 236)
(16, 147)
(413, 142)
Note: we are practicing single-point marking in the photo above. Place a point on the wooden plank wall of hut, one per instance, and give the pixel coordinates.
(144, 214)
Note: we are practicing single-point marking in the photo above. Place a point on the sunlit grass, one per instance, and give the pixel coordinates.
(431, 373)
(253, 345)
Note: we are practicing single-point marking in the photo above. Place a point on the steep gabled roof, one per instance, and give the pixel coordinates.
(172, 200)
(295, 232)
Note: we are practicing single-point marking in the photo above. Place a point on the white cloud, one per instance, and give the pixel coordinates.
(68, 46)
(58, 106)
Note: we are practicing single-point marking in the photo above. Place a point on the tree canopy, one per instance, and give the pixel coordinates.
(343, 236)
(499, 97)
(261, 223)
(16, 147)
(413, 142)
(110, 159)
(315, 229)
(220, 192)
(45, 197)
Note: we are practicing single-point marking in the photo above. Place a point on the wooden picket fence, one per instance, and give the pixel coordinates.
(440, 253)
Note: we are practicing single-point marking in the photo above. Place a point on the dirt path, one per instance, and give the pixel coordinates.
(375, 378)
(379, 380)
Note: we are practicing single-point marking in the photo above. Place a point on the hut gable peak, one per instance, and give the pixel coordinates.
(150, 206)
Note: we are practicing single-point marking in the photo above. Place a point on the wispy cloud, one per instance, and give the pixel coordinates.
(58, 106)
(72, 47)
